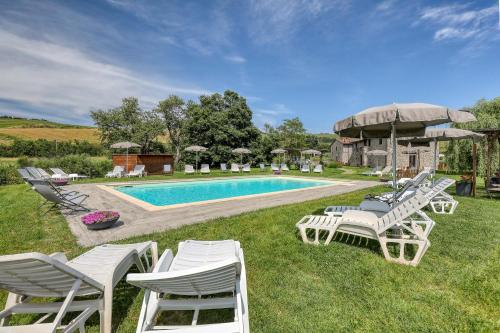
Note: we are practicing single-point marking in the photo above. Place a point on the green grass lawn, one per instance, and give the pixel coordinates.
(293, 287)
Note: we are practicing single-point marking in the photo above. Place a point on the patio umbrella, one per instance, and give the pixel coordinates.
(125, 145)
(444, 134)
(312, 152)
(398, 120)
(241, 151)
(377, 153)
(196, 149)
(279, 151)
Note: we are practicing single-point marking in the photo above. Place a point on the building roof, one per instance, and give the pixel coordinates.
(347, 141)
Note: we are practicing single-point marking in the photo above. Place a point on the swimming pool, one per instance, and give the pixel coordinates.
(175, 193)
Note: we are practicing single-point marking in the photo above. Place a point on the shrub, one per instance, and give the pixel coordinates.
(332, 164)
(8, 174)
(46, 148)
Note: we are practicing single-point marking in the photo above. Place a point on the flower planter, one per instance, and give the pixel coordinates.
(100, 220)
(464, 188)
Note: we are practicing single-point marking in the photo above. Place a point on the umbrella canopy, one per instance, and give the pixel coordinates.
(124, 145)
(278, 151)
(377, 153)
(196, 149)
(398, 120)
(310, 152)
(241, 151)
(410, 119)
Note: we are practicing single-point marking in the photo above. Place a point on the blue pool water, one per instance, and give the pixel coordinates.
(187, 192)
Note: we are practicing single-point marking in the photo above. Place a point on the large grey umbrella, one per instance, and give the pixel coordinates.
(241, 151)
(398, 120)
(125, 145)
(196, 149)
(377, 153)
(443, 134)
(312, 152)
(279, 151)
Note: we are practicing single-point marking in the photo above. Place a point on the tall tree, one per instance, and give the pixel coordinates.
(128, 123)
(292, 134)
(173, 113)
(220, 123)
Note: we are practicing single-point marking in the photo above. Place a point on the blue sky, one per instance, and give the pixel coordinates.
(317, 60)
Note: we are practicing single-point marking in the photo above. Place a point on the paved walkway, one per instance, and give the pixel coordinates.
(138, 221)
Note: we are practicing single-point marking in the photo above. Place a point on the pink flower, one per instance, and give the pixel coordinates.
(99, 217)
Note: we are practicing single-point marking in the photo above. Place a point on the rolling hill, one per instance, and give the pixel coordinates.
(32, 129)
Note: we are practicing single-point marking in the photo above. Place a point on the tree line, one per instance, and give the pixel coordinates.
(220, 122)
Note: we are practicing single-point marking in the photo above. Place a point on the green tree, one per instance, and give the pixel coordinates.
(292, 134)
(173, 113)
(220, 123)
(128, 123)
(459, 153)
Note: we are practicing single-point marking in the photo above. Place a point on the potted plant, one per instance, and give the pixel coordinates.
(101, 219)
(464, 186)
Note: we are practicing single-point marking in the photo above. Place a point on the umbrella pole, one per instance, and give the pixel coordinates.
(196, 166)
(126, 163)
(474, 168)
(434, 165)
(394, 175)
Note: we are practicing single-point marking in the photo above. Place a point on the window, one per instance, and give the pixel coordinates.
(413, 161)
(380, 141)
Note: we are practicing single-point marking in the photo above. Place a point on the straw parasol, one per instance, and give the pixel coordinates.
(377, 153)
(241, 151)
(279, 151)
(196, 149)
(125, 145)
(398, 120)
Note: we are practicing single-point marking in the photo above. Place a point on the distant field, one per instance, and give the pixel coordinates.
(60, 134)
(21, 122)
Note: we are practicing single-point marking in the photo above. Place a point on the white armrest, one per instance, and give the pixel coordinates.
(59, 256)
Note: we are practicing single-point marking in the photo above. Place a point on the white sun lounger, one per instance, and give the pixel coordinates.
(116, 173)
(205, 168)
(139, 171)
(385, 171)
(398, 226)
(200, 269)
(318, 168)
(274, 167)
(235, 167)
(188, 168)
(262, 167)
(96, 272)
(246, 168)
(284, 167)
(223, 167)
(167, 168)
(59, 173)
(305, 168)
(372, 172)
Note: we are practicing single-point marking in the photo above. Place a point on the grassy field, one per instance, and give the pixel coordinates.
(32, 129)
(295, 287)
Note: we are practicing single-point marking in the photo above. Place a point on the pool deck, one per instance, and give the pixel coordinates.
(136, 220)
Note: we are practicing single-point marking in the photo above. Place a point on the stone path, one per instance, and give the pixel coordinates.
(138, 221)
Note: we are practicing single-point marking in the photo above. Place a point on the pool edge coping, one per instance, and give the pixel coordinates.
(152, 208)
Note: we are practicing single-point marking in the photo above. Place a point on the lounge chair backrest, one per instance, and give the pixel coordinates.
(24, 174)
(274, 166)
(413, 183)
(442, 184)
(235, 167)
(262, 166)
(318, 167)
(139, 168)
(59, 172)
(47, 192)
(44, 173)
(403, 209)
(34, 172)
(38, 275)
(305, 167)
(223, 166)
(188, 168)
(167, 168)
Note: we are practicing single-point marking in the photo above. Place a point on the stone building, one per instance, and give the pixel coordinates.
(353, 152)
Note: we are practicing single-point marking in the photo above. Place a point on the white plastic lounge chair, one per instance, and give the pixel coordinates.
(274, 167)
(200, 269)
(205, 168)
(284, 167)
(58, 173)
(35, 275)
(398, 226)
(371, 172)
(58, 200)
(262, 167)
(305, 168)
(116, 173)
(235, 167)
(318, 168)
(35, 173)
(223, 167)
(442, 202)
(188, 168)
(385, 171)
(139, 171)
(167, 168)
(246, 168)
(43, 173)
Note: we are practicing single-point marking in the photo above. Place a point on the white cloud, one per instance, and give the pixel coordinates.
(236, 59)
(385, 5)
(68, 81)
(270, 115)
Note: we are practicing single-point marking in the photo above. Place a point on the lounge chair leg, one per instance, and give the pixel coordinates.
(108, 310)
